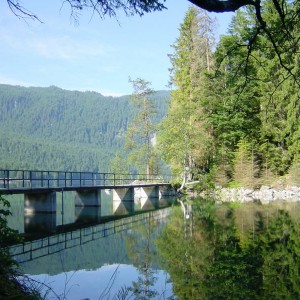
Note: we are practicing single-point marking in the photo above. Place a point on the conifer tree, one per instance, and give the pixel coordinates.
(184, 138)
(140, 134)
(294, 173)
(119, 164)
(245, 170)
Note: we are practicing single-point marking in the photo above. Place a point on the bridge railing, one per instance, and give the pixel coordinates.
(29, 179)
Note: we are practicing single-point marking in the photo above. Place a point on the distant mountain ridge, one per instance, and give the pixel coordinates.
(55, 129)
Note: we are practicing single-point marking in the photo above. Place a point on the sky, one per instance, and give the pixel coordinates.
(95, 54)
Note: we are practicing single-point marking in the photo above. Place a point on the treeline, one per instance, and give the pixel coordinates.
(55, 129)
(238, 101)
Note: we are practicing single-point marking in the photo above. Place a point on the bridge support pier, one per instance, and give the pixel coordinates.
(88, 198)
(41, 202)
(146, 197)
(123, 199)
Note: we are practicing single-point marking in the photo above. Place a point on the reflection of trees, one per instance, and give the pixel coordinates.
(178, 251)
(224, 260)
(142, 253)
(280, 249)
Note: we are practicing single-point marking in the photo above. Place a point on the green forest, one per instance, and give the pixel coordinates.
(235, 105)
(55, 129)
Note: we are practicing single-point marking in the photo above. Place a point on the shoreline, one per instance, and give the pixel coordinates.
(265, 194)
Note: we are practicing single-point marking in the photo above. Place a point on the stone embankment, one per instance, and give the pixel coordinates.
(265, 194)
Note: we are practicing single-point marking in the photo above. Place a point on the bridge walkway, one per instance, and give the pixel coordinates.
(31, 181)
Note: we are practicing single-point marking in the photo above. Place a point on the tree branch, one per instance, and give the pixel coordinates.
(110, 7)
(222, 6)
(21, 12)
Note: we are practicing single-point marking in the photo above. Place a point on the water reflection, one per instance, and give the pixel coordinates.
(39, 223)
(101, 261)
(32, 224)
(106, 282)
(142, 253)
(87, 214)
(196, 250)
(233, 251)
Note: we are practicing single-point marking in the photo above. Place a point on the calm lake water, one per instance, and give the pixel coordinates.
(93, 252)
(213, 251)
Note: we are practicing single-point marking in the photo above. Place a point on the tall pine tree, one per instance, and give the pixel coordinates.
(141, 132)
(184, 138)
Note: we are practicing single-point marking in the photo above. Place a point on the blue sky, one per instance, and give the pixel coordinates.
(96, 55)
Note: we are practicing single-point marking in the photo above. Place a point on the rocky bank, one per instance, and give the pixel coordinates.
(265, 194)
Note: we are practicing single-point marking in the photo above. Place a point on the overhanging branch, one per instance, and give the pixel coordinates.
(21, 12)
(222, 6)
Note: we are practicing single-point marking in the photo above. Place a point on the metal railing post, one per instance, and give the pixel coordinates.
(8, 179)
(4, 179)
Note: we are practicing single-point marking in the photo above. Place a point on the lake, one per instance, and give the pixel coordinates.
(92, 252)
(206, 251)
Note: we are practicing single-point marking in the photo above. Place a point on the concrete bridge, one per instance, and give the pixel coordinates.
(40, 188)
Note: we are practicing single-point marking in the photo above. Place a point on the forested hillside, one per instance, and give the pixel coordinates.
(55, 129)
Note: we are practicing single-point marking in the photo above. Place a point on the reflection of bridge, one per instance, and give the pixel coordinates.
(55, 243)
(40, 188)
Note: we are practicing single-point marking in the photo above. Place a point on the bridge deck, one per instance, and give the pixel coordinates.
(28, 181)
(75, 188)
